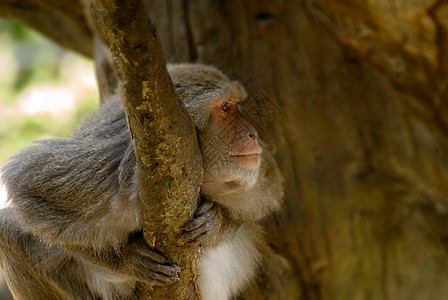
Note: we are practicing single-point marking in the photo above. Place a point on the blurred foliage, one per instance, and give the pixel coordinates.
(30, 59)
(27, 60)
(15, 134)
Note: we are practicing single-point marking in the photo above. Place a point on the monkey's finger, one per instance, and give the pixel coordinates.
(151, 276)
(203, 208)
(199, 238)
(197, 222)
(207, 227)
(146, 251)
(168, 270)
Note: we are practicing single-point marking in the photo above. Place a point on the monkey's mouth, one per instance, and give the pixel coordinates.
(248, 161)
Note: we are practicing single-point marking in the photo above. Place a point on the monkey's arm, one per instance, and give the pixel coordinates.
(79, 191)
(67, 193)
(88, 210)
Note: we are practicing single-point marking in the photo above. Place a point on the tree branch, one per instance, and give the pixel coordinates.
(60, 20)
(164, 136)
(105, 73)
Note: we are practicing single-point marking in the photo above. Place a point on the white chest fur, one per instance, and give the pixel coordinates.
(227, 268)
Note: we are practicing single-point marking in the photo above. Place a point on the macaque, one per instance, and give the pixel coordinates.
(73, 228)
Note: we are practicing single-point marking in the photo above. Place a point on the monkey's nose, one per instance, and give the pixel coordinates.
(252, 135)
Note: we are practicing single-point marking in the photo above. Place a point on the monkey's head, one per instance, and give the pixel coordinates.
(229, 144)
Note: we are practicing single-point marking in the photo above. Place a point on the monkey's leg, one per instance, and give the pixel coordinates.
(31, 267)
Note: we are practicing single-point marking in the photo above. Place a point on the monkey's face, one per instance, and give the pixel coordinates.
(229, 144)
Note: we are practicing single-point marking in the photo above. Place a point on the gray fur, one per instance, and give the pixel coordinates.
(74, 204)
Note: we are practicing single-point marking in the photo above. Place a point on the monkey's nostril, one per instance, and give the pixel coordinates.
(251, 135)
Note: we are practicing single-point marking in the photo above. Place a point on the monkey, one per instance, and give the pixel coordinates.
(73, 227)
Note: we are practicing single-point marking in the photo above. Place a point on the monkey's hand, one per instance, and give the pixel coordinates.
(144, 264)
(206, 221)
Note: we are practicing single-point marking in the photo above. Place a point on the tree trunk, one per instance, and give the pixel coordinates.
(361, 137)
(361, 140)
(163, 134)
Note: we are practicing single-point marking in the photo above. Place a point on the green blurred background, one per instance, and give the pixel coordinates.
(45, 91)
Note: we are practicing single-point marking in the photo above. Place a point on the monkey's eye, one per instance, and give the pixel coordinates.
(226, 107)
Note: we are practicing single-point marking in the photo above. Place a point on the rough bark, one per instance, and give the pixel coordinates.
(362, 138)
(164, 137)
(362, 135)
